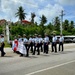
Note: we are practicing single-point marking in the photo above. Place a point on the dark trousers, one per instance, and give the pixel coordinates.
(26, 45)
(27, 50)
(40, 45)
(36, 46)
(60, 45)
(2, 49)
(54, 45)
(46, 48)
(30, 46)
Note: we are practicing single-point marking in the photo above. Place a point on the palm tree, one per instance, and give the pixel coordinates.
(20, 13)
(66, 24)
(72, 24)
(57, 23)
(32, 17)
(43, 20)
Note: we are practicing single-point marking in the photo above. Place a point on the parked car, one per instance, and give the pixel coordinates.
(74, 40)
(68, 40)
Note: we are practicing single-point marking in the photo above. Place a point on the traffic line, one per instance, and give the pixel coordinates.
(50, 68)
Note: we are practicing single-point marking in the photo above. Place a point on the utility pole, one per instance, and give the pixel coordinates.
(7, 32)
(62, 14)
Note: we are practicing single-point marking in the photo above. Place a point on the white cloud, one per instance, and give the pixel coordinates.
(9, 7)
(39, 7)
(66, 2)
(51, 11)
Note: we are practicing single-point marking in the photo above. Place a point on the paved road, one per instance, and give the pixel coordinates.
(61, 63)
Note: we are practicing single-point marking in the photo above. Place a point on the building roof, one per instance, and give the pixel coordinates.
(3, 21)
(25, 22)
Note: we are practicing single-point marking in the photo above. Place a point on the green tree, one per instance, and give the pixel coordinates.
(57, 23)
(66, 25)
(1, 30)
(32, 17)
(72, 25)
(43, 20)
(73, 31)
(50, 26)
(20, 13)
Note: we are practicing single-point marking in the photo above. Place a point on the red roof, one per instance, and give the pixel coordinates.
(26, 22)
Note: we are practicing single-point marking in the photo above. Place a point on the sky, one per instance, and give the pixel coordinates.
(49, 8)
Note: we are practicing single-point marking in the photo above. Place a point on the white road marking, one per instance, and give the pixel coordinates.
(50, 68)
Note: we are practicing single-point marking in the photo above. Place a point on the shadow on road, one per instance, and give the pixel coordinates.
(7, 56)
(66, 52)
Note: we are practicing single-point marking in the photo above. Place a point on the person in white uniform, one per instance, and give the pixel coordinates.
(54, 44)
(46, 43)
(36, 45)
(61, 41)
(25, 40)
(41, 43)
(30, 43)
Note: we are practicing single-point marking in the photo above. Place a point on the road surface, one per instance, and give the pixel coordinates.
(61, 63)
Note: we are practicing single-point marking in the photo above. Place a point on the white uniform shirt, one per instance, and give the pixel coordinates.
(25, 40)
(33, 40)
(30, 39)
(40, 40)
(2, 40)
(36, 40)
(61, 39)
(54, 39)
(46, 39)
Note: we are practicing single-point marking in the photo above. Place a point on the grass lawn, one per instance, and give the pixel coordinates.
(7, 44)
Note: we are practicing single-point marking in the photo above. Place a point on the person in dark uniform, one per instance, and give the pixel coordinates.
(61, 41)
(36, 45)
(54, 43)
(2, 45)
(46, 43)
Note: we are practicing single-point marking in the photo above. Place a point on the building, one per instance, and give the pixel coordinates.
(25, 22)
(2, 22)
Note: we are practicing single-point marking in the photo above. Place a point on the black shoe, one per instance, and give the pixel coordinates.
(46, 52)
(55, 51)
(21, 55)
(41, 50)
(52, 51)
(33, 54)
(3, 55)
(27, 55)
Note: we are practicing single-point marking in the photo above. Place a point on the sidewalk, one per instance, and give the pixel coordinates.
(8, 49)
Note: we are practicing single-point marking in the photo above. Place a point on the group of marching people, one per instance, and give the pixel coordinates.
(35, 43)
